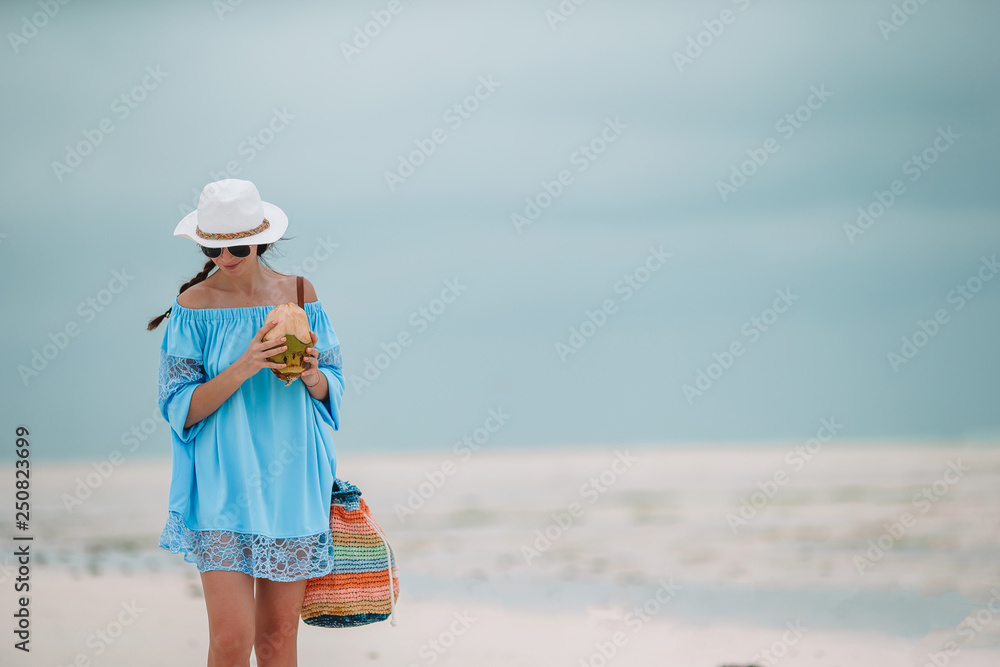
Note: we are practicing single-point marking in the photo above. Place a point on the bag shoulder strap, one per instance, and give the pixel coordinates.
(299, 288)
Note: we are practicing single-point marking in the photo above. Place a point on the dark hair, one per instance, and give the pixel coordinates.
(201, 275)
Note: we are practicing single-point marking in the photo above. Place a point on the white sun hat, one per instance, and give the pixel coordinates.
(230, 212)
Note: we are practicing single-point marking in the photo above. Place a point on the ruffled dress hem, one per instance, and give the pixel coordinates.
(260, 556)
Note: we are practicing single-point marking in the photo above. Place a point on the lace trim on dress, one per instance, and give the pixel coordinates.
(275, 558)
(331, 358)
(177, 372)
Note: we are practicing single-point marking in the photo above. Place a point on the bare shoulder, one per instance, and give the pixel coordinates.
(285, 285)
(196, 296)
(308, 291)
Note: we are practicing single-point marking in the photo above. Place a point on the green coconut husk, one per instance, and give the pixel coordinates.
(294, 326)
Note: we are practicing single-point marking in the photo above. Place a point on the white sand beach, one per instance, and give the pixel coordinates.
(864, 554)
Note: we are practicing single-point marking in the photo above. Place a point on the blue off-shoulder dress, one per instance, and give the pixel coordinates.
(251, 483)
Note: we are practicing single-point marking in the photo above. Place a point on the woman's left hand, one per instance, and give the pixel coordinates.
(311, 376)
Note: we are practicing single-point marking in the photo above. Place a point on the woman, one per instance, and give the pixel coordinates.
(253, 459)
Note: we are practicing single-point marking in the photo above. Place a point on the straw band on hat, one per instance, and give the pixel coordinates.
(231, 210)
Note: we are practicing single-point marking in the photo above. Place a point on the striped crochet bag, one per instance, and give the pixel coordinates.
(357, 590)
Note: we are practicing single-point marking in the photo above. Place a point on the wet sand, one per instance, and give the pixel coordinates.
(854, 554)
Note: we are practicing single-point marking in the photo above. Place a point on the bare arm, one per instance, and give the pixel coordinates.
(314, 380)
(208, 396)
(319, 390)
(312, 377)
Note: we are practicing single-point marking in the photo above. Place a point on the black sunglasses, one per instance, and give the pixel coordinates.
(234, 250)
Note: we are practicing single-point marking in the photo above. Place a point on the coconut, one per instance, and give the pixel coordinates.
(294, 326)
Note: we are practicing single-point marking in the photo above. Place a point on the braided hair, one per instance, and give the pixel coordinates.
(207, 269)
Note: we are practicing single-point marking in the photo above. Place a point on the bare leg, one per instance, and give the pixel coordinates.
(279, 604)
(230, 604)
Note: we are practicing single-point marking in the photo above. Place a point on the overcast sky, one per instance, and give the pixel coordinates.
(739, 137)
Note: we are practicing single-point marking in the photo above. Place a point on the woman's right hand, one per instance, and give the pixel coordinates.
(256, 354)
(208, 396)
